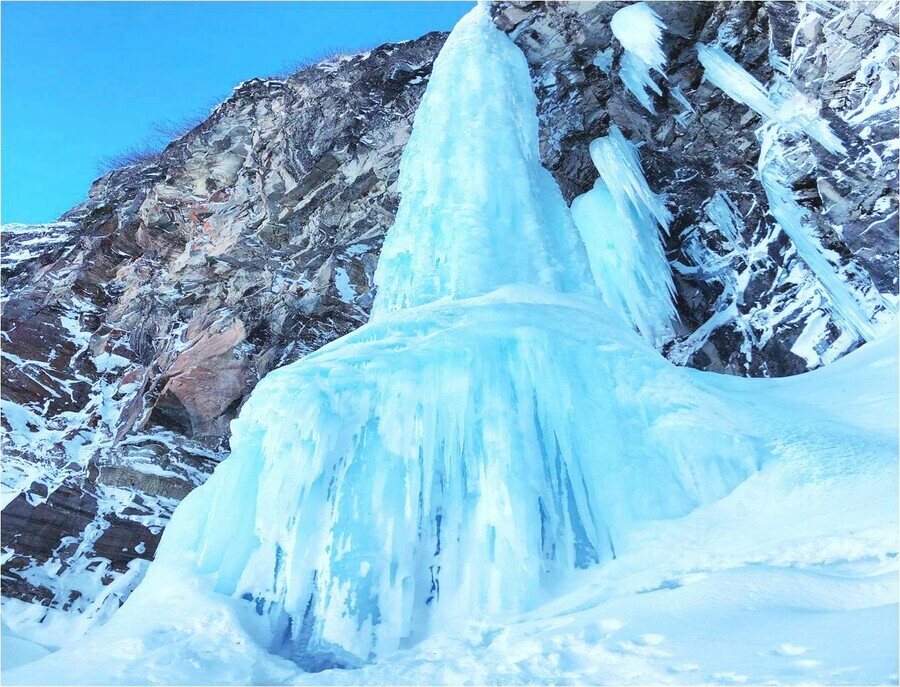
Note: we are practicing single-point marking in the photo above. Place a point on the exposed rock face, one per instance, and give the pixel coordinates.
(749, 304)
(136, 326)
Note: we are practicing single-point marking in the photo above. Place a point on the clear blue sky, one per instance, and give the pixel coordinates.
(85, 80)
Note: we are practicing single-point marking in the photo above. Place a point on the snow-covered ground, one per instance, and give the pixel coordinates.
(790, 578)
(497, 480)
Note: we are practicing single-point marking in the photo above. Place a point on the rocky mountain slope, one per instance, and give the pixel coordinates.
(136, 326)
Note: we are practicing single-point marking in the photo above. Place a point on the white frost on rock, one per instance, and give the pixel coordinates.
(787, 113)
(878, 79)
(639, 30)
(621, 220)
(776, 170)
(24, 242)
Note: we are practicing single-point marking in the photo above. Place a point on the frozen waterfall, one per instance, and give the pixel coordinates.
(485, 434)
(492, 429)
(495, 430)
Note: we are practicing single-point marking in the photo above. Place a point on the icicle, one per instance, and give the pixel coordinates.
(792, 110)
(726, 74)
(620, 221)
(722, 212)
(639, 29)
(688, 110)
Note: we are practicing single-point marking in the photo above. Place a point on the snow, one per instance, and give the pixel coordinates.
(639, 30)
(17, 651)
(497, 480)
(86, 587)
(620, 220)
(18, 228)
(801, 554)
(813, 333)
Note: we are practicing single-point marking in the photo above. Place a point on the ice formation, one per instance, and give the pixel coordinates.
(723, 213)
(620, 220)
(458, 466)
(775, 174)
(639, 29)
(724, 73)
(785, 105)
(478, 209)
(788, 113)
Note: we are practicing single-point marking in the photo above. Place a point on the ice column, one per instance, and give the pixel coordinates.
(620, 220)
(478, 210)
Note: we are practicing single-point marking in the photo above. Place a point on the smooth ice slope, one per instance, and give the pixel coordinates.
(620, 220)
(639, 29)
(516, 487)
